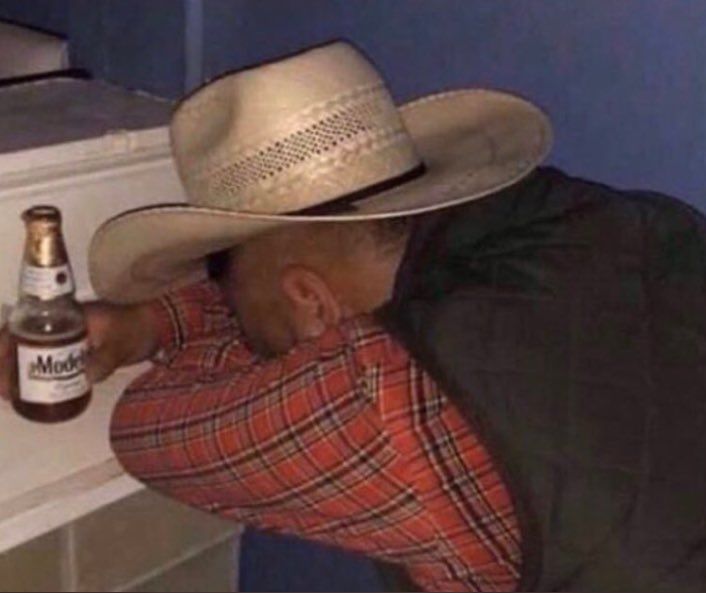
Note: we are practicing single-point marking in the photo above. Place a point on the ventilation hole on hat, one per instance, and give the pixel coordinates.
(370, 116)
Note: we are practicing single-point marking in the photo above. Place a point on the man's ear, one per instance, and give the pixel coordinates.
(313, 302)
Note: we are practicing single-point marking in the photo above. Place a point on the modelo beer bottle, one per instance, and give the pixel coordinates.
(48, 326)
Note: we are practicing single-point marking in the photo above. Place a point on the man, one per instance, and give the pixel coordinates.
(442, 356)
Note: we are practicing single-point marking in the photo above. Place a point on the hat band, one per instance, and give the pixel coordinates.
(347, 202)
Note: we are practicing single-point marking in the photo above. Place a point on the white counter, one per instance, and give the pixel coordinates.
(92, 150)
(51, 474)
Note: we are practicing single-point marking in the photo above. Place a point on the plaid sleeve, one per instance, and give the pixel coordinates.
(195, 311)
(343, 440)
(195, 328)
(257, 440)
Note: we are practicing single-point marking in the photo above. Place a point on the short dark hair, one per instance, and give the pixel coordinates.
(217, 264)
(387, 232)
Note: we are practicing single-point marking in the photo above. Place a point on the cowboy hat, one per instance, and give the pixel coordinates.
(314, 137)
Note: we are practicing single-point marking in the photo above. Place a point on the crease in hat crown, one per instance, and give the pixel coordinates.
(290, 134)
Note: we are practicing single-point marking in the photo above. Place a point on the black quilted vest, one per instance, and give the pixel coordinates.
(567, 320)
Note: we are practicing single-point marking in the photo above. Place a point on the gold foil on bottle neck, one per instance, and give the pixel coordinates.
(44, 247)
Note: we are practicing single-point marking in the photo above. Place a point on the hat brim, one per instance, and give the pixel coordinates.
(473, 143)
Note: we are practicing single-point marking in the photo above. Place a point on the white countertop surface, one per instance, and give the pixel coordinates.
(51, 474)
(93, 150)
(62, 110)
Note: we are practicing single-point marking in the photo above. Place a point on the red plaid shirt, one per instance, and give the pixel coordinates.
(345, 440)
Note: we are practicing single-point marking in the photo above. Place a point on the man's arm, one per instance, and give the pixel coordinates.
(191, 313)
(221, 430)
(330, 442)
(193, 327)
(121, 335)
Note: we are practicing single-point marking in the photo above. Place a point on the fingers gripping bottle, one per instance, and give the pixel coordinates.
(48, 326)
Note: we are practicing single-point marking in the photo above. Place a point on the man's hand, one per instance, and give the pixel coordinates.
(117, 336)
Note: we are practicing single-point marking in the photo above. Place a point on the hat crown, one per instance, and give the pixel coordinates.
(290, 134)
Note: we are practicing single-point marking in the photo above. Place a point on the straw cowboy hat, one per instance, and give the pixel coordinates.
(314, 137)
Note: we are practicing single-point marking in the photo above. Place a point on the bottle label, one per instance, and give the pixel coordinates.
(52, 375)
(47, 283)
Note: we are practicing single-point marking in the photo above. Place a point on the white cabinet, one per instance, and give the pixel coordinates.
(92, 149)
(24, 51)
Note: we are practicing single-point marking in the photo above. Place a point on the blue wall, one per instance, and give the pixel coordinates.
(624, 82)
(271, 562)
(137, 43)
(50, 15)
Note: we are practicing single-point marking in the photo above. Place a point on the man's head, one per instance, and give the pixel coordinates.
(288, 285)
(334, 136)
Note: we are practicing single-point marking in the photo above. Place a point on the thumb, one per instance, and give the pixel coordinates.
(100, 364)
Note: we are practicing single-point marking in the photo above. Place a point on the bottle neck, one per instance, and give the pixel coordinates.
(44, 245)
(46, 274)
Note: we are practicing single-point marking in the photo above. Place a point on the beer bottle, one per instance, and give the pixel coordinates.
(48, 326)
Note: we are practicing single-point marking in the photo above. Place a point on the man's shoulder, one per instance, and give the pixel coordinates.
(553, 178)
(531, 218)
